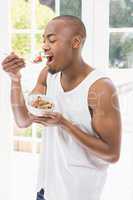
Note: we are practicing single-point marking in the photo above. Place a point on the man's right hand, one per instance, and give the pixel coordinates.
(12, 64)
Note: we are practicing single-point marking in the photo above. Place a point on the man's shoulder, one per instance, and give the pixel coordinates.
(42, 78)
(103, 84)
(101, 93)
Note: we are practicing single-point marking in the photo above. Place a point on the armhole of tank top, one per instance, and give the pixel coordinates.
(98, 77)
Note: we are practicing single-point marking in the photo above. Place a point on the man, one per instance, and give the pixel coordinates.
(83, 136)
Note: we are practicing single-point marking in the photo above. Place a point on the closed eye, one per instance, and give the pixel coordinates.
(52, 38)
(52, 41)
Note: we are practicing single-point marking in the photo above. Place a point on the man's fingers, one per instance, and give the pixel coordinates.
(39, 118)
(39, 122)
(9, 58)
(13, 63)
(45, 119)
(15, 67)
(50, 114)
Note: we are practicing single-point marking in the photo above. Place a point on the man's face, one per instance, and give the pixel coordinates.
(57, 43)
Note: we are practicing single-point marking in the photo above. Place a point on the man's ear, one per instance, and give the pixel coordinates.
(76, 42)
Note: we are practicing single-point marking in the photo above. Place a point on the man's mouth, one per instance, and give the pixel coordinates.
(50, 59)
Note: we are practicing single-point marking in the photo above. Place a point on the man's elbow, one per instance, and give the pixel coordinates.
(23, 124)
(114, 158)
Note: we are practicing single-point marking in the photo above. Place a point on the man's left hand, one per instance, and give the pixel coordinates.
(48, 119)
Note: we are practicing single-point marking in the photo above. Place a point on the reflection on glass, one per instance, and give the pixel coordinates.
(20, 14)
(43, 14)
(121, 50)
(22, 146)
(21, 44)
(121, 13)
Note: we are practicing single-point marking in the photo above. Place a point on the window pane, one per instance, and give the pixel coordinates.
(121, 50)
(38, 42)
(20, 14)
(39, 130)
(22, 146)
(121, 13)
(25, 132)
(21, 44)
(43, 14)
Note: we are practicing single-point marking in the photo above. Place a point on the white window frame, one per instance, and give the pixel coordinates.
(96, 21)
(95, 15)
(31, 32)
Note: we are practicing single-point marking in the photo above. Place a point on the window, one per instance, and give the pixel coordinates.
(28, 21)
(121, 34)
(109, 46)
(121, 53)
(121, 65)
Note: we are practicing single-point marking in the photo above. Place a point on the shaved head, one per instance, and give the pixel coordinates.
(63, 39)
(78, 28)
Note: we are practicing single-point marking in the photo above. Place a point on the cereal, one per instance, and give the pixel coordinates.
(41, 103)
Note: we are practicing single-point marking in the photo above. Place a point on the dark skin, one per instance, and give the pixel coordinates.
(58, 39)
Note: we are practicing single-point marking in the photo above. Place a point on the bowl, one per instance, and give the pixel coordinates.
(39, 104)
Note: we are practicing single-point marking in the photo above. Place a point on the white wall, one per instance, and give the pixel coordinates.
(5, 121)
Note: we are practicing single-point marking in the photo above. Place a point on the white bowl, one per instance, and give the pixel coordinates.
(38, 111)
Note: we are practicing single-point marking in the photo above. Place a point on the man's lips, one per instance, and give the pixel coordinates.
(50, 59)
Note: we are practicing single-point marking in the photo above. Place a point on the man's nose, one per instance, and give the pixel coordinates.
(46, 46)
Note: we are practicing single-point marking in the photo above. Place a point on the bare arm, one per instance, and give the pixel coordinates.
(106, 122)
(12, 65)
(18, 103)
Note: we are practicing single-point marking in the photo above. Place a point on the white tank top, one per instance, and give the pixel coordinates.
(68, 171)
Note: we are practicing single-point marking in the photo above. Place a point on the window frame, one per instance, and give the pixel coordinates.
(6, 125)
(98, 36)
(96, 19)
(31, 32)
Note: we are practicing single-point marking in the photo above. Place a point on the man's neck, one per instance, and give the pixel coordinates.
(75, 71)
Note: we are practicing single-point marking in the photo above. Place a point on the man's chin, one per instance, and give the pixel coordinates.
(52, 71)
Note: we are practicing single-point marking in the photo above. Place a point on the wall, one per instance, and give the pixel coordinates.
(5, 114)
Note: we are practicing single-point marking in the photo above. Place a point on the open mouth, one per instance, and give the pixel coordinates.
(50, 59)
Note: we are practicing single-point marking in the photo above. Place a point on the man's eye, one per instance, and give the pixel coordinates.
(52, 41)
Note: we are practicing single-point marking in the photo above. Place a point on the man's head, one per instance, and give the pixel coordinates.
(64, 38)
